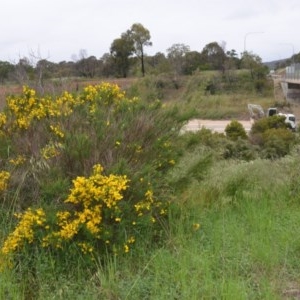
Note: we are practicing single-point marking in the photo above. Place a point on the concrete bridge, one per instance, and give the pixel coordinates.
(290, 83)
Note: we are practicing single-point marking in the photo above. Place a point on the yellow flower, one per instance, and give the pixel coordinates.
(196, 226)
(172, 162)
(2, 119)
(131, 240)
(4, 178)
(126, 248)
(19, 160)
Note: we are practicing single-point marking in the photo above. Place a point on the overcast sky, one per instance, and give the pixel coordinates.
(58, 29)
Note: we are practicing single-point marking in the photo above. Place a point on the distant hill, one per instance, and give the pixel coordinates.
(275, 64)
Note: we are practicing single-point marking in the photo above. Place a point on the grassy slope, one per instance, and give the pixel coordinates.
(247, 246)
(228, 100)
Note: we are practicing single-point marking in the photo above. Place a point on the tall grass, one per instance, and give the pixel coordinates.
(247, 245)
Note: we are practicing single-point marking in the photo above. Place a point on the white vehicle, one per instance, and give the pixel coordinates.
(257, 112)
(289, 119)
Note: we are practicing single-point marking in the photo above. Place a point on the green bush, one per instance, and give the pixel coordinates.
(85, 172)
(266, 123)
(273, 136)
(240, 149)
(277, 142)
(235, 130)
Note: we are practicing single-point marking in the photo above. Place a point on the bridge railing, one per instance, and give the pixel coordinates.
(293, 72)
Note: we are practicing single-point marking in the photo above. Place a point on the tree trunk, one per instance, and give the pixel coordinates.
(142, 60)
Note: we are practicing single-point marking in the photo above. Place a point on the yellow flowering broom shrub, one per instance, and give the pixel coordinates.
(93, 218)
(117, 149)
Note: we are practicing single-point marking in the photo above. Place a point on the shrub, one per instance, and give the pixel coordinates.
(266, 123)
(273, 136)
(93, 218)
(115, 150)
(240, 149)
(277, 142)
(235, 130)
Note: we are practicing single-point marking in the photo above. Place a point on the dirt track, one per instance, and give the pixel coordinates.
(214, 125)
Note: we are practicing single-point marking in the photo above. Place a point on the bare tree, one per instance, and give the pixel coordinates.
(31, 69)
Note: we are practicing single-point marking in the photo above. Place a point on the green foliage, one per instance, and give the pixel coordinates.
(273, 137)
(277, 142)
(159, 87)
(214, 56)
(203, 137)
(266, 123)
(240, 149)
(235, 130)
(189, 170)
(121, 49)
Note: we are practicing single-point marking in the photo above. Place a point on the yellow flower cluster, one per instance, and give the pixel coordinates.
(86, 248)
(3, 119)
(19, 160)
(131, 240)
(28, 107)
(144, 205)
(57, 131)
(24, 109)
(63, 105)
(51, 150)
(98, 188)
(4, 178)
(93, 206)
(91, 195)
(25, 231)
(106, 93)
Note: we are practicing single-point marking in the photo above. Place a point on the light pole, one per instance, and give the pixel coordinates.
(246, 35)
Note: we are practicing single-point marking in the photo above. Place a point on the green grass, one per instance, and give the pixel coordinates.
(247, 246)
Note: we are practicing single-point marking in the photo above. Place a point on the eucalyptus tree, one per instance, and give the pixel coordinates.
(141, 37)
(176, 55)
(158, 63)
(253, 63)
(257, 69)
(87, 66)
(232, 60)
(214, 56)
(192, 62)
(5, 69)
(121, 49)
